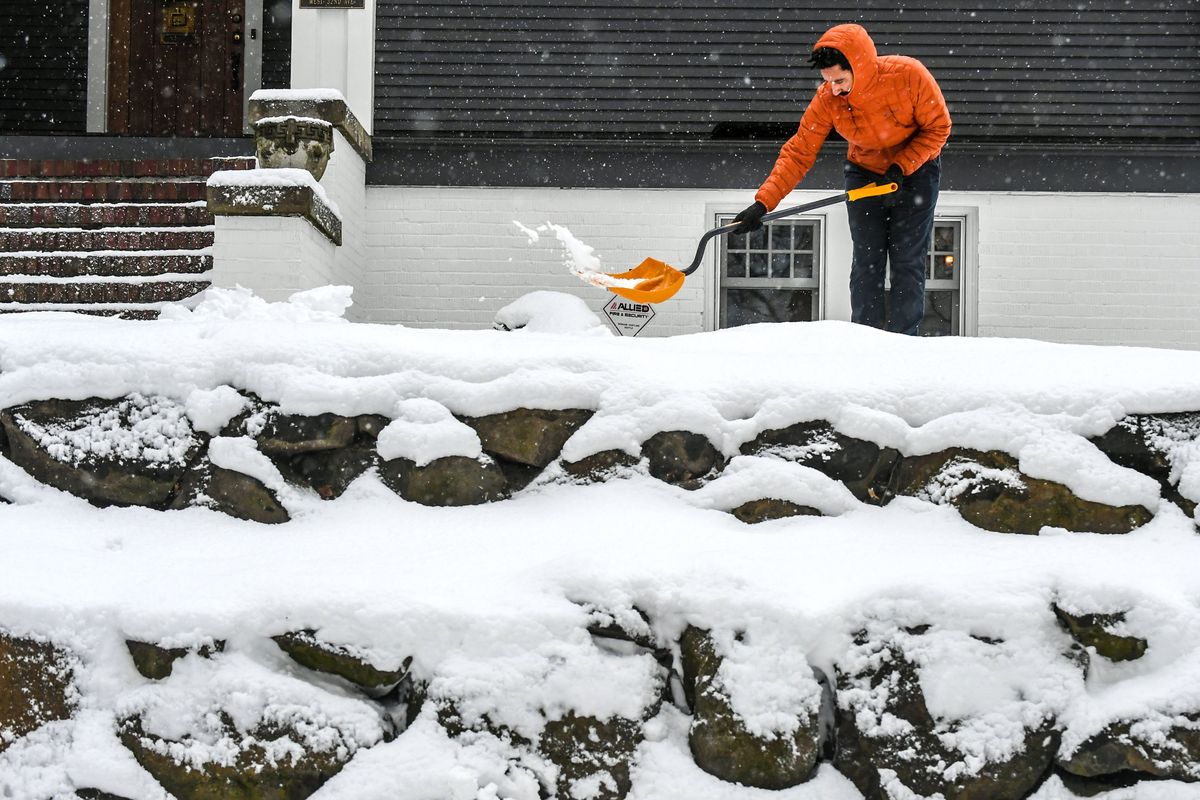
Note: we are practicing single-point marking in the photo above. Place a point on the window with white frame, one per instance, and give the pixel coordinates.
(943, 281)
(770, 275)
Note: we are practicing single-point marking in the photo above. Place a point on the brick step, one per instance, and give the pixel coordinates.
(14, 293)
(111, 191)
(130, 312)
(131, 239)
(115, 168)
(75, 265)
(103, 215)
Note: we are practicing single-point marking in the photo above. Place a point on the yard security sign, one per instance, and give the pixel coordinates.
(627, 316)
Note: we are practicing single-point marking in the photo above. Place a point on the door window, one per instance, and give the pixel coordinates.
(943, 281)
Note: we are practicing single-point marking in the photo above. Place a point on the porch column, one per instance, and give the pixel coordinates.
(334, 48)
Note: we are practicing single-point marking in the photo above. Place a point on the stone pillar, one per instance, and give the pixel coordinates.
(283, 230)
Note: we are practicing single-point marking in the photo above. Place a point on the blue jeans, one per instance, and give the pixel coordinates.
(899, 234)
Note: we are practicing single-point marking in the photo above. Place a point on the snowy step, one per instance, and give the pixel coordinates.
(103, 215)
(114, 168)
(123, 310)
(127, 239)
(105, 263)
(98, 292)
(104, 190)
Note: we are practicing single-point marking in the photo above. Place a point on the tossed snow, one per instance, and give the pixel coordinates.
(580, 258)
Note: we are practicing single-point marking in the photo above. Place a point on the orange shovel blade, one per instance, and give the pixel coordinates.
(657, 281)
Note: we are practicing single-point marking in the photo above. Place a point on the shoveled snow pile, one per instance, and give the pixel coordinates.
(550, 312)
(492, 602)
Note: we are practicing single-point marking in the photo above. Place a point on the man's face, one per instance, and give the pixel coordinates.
(840, 80)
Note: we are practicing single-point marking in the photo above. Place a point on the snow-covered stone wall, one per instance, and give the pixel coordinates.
(547, 563)
(1084, 268)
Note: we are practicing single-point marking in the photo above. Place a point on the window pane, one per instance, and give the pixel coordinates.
(758, 239)
(758, 265)
(781, 265)
(804, 265)
(736, 265)
(746, 306)
(735, 241)
(803, 237)
(943, 237)
(941, 314)
(781, 237)
(943, 267)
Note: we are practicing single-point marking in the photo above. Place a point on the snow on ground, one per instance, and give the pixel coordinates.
(495, 591)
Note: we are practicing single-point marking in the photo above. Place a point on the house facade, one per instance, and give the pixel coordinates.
(1068, 211)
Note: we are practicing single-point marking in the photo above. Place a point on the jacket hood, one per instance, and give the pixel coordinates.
(855, 44)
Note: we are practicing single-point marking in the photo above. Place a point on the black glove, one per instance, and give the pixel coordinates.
(750, 217)
(893, 175)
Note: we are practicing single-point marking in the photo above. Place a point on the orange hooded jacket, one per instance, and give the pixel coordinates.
(894, 114)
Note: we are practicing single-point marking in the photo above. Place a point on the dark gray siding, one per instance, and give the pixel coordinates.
(1042, 70)
(43, 66)
(277, 44)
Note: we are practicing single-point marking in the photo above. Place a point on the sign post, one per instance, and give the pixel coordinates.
(628, 317)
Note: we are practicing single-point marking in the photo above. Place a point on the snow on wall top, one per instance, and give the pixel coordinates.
(1035, 400)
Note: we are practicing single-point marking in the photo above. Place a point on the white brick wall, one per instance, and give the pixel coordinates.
(345, 183)
(1086, 268)
(1090, 269)
(273, 256)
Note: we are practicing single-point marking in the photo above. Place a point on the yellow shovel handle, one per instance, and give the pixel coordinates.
(871, 190)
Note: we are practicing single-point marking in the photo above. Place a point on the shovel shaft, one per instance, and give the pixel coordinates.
(783, 212)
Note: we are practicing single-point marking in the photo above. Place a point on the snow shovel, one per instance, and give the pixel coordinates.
(658, 281)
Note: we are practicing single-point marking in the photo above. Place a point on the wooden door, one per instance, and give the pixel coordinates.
(176, 67)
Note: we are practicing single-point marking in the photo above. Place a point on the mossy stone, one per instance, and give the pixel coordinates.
(597, 753)
(683, 458)
(917, 755)
(291, 434)
(599, 466)
(254, 775)
(157, 663)
(864, 467)
(528, 436)
(1094, 630)
(308, 651)
(756, 511)
(1024, 505)
(448, 481)
(720, 742)
(102, 481)
(229, 492)
(35, 686)
(1118, 750)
